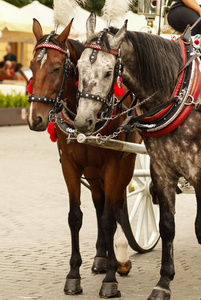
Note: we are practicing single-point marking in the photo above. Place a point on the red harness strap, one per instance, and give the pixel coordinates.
(186, 110)
(176, 90)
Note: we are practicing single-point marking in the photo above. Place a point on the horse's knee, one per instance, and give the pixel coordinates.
(75, 219)
(167, 227)
(109, 223)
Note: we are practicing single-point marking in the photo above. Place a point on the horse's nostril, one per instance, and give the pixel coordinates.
(39, 119)
(90, 122)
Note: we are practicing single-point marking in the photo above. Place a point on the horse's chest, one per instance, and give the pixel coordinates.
(88, 156)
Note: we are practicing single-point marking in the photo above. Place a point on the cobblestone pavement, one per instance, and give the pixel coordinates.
(35, 238)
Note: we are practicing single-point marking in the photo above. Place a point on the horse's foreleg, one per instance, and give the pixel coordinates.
(72, 178)
(109, 285)
(73, 279)
(98, 196)
(166, 197)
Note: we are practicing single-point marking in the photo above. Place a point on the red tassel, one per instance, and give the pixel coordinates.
(76, 83)
(29, 87)
(52, 132)
(118, 91)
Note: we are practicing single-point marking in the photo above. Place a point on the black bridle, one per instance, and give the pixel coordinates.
(118, 70)
(68, 64)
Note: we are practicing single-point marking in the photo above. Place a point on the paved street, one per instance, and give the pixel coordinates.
(35, 238)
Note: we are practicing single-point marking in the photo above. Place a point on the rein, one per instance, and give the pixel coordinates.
(57, 102)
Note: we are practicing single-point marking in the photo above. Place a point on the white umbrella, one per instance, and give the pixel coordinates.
(42, 13)
(13, 18)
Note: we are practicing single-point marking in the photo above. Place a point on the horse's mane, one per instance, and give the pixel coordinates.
(158, 59)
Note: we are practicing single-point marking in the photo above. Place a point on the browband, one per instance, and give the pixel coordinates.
(98, 47)
(51, 46)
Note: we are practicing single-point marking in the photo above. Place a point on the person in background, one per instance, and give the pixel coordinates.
(184, 12)
(17, 73)
(10, 56)
(7, 69)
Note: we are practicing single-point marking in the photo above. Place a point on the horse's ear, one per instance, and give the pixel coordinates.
(37, 30)
(91, 25)
(65, 33)
(117, 39)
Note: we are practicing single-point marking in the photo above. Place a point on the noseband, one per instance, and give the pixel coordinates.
(118, 69)
(67, 65)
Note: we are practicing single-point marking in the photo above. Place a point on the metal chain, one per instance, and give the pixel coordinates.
(101, 139)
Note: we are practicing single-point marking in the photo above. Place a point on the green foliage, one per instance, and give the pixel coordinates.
(13, 101)
(18, 3)
(95, 5)
(21, 3)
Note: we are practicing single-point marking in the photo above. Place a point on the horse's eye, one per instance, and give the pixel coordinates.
(108, 74)
(57, 69)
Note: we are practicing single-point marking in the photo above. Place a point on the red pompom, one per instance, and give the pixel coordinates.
(76, 83)
(118, 91)
(52, 132)
(29, 87)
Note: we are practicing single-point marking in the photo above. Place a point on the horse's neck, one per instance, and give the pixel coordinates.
(69, 93)
(70, 86)
(145, 82)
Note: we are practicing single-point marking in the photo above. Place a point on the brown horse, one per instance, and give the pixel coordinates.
(107, 171)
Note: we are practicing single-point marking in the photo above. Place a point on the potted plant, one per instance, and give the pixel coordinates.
(13, 109)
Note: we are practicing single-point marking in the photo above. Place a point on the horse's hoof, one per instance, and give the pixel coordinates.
(72, 287)
(109, 290)
(159, 294)
(124, 268)
(99, 265)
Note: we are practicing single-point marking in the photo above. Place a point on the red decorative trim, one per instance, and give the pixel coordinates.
(51, 46)
(52, 132)
(98, 47)
(185, 112)
(29, 86)
(66, 120)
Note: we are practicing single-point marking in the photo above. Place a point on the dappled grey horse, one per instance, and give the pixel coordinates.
(165, 77)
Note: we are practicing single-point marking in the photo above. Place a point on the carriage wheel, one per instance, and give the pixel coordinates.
(140, 217)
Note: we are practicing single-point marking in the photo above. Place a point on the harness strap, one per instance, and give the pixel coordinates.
(34, 98)
(153, 110)
(124, 97)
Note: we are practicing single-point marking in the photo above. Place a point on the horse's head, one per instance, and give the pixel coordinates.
(49, 65)
(99, 67)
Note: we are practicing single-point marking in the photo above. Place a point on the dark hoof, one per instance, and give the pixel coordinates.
(109, 290)
(72, 287)
(124, 268)
(159, 294)
(99, 265)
